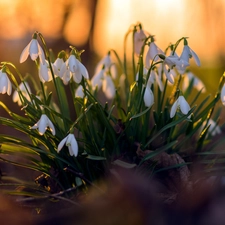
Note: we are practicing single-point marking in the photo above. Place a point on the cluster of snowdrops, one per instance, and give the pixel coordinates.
(147, 103)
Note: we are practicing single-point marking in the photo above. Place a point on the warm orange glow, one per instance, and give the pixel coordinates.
(168, 20)
(158, 17)
(78, 26)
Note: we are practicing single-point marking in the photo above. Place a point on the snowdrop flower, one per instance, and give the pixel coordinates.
(34, 50)
(197, 83)
(222, 94)
(182, 104)
(155, 78)
(61, 70)
(79, 92)
(139, 37)
(148, 97)
(107, 65)
(25, 90)
(66, 77)
(96, 80)
(59, 67)
(77, 69)
(5, 83)
(43, 124)
(174, 61)
(44, 73)
(169, 74)
(188, 53)
(108, 87)
(71, 142)
(153, 50)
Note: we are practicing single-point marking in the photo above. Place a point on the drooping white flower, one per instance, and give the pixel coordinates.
(34, 50)
(148, 97)
(44, 73)
(43, 124)
(79, 92)
(153, 50)
(71, 142)
(59, 67)
(174, 61)
(154, 77)
(24, 88)
(139, 37)
(197, 83)
(180, 103)
(96, 80)
(108, 87)
(222, 95)
(5, 83)
(107, 65)
(169, 73)
(61, 70)
(188, 53)
(77, 69)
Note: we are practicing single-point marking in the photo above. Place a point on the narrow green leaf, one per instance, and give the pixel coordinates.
(169, 125)
(95, 157)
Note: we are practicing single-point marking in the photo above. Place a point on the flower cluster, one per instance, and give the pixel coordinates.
(78, 137)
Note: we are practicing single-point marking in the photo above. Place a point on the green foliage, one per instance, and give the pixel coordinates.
(139, 112)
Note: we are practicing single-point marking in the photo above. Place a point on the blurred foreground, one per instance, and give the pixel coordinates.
(126, 199)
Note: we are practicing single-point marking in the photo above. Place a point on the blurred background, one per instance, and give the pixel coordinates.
(99, 25)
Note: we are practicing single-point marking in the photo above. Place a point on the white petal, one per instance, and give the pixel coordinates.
(197, 60)
(72, 62)
(61, 144)
(33, 49)
(15, 96)
(96, 80)
(25, 53)
(5, 84)
(74, 146)
(43, 124)
(66, 77)
(77, 77)
(153, 51)
(222, 95)
(174, 109)
(9, 87)
(148, 97)
(83, 69)
(186, 54)
(41, 53)
(44, 73)
(108, 87)
(36, 125)
(58, 63)
(169, 75)
(184, 106)
(79, 92)
(51, 126)
(139, 38)
(59, 67)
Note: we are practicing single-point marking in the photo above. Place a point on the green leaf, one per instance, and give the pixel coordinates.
(95, 157)
(140, 114)
(169, 125)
